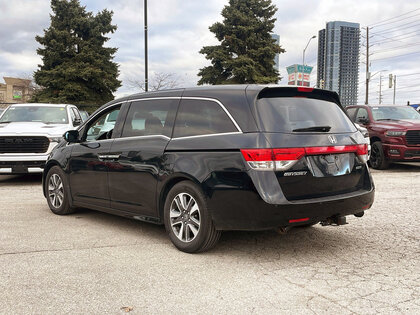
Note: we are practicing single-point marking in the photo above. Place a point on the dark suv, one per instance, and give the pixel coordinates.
(208, 159)
(394, 132)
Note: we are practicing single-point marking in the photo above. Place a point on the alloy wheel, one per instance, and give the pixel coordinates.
(185, 217)
(56, 190)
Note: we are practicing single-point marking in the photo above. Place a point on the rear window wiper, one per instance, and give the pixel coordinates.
(314, 128)
(386, 119)
(5, 122)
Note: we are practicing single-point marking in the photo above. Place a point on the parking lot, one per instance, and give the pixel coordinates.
(96, 263)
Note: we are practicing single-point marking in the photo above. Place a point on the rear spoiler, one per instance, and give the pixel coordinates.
(300, 91)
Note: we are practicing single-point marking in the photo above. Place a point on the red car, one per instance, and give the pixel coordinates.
(394, 132)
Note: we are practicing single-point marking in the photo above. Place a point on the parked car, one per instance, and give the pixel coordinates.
(29, 132)
(208, 159)
(84, 114)
(365, 134)
(394, 132)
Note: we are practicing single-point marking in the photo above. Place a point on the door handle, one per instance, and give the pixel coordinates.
(109, 156)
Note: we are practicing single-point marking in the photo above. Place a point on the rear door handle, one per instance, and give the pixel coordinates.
(109, 156)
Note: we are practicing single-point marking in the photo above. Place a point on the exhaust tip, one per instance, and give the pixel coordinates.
(359, 214)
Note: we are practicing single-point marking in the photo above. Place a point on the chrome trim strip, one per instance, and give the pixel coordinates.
(143, 137)
(6, 170)
(35, 170)
(13, 157)
(220, 104)
(209, 135)
(193, 98)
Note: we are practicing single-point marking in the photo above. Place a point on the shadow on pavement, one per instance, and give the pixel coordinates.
(400, 168)
(298, 242)
(29, 179)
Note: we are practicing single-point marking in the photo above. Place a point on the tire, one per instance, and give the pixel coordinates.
(58, 191)
(377, 157)
(187, 219)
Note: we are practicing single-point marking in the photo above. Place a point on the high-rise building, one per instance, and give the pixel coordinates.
(338, 60)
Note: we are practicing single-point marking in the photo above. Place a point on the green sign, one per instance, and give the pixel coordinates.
(298, 68)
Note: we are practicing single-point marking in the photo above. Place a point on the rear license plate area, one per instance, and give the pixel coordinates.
(331, 164)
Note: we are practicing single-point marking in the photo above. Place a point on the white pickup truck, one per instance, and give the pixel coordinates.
(29, 132)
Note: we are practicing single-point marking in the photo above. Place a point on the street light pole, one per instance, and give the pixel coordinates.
(146, 65)
(367, 67)
(303, 58)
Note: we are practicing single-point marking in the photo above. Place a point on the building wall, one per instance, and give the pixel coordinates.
(320, 76)
(338, 58)
(15, 90)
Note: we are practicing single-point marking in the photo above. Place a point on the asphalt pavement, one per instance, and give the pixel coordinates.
(95, 263)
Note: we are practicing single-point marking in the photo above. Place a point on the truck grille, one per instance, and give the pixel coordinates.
(24, 144)
(413, 136)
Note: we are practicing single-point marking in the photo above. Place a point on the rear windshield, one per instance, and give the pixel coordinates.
(292, 114)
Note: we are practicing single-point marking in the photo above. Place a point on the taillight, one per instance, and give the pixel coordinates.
(284, 158)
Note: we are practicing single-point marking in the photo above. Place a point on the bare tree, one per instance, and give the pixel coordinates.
(159, 81)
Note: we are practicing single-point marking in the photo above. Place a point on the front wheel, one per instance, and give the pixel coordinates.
(377, 157)
(187, 219)
(57, 191)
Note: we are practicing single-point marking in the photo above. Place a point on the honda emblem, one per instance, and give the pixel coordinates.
(332, 139)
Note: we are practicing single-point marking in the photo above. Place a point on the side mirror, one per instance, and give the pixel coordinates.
(71, 136)
(77, 122)
(363, 121)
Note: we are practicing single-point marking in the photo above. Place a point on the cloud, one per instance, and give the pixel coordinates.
(178, 29)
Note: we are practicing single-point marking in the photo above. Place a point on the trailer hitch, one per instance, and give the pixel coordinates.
(334, 220)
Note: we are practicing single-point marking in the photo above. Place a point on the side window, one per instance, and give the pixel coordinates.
(76, 119)
(362, 114)
(76, 113)
(200, 117)
(351, 112)
(150, 117)
(101, 127)
(72, 115)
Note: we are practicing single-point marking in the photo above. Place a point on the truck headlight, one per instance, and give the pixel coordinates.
(395, 133)
(56, 139)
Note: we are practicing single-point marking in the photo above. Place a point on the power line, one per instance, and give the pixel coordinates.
(393, 38)
(418, 52)
(409, 86)
(398, 26)
(406, 75)
(396, 48)
(396, 29)
(383, 21)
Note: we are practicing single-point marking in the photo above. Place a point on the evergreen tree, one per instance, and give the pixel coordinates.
(77, 68)
(246, 52)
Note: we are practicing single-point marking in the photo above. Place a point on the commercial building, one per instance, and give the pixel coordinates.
(299, 75)
(338, 60)
(15, 90)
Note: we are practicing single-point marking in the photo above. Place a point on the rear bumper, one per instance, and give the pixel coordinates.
(245, 210)
(397, 152)
(22, 164)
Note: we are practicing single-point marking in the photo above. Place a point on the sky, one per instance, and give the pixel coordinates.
(178, 29)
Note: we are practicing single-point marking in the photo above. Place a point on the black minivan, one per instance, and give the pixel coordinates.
(207, 159)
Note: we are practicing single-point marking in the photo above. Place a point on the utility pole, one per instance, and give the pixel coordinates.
(380, 88)
(367, 66)
(395, 87)
(146, 70)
